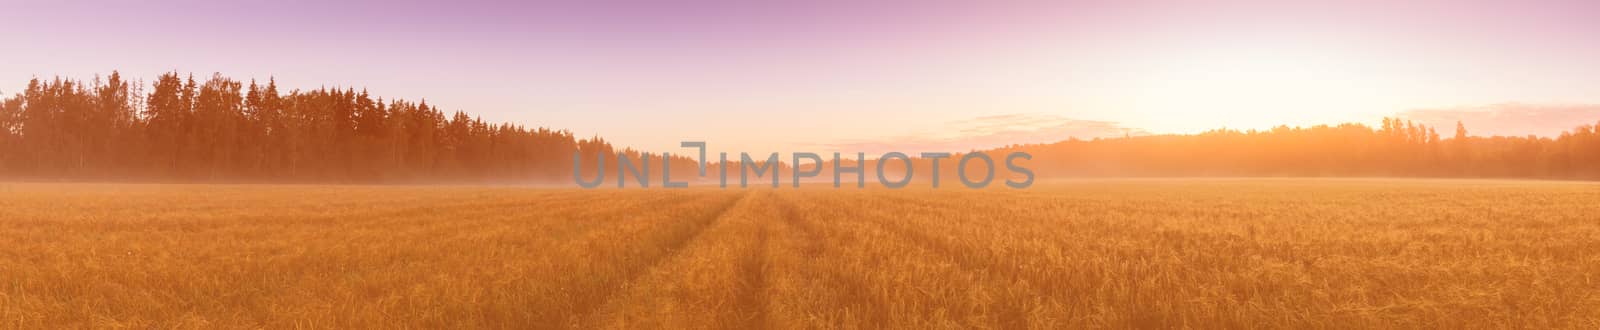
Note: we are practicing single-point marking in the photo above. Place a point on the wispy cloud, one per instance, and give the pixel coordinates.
(989, 132)
(1510, 119)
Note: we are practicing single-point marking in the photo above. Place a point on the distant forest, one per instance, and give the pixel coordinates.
(1397, 148)
(226, 130)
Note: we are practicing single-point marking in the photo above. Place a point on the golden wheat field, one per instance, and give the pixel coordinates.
(1154, 253)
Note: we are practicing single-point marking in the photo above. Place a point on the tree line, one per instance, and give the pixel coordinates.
(179, 129)
(1397, 148)
(226, 130)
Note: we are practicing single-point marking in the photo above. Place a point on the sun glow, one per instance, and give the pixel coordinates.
(1254, 89)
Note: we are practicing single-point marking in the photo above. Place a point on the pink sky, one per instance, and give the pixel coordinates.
(757, 76)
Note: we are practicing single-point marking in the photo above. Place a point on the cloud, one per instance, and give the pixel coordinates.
(1510, 119)
(989, 132)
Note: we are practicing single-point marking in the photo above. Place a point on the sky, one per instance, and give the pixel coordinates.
(849, 76)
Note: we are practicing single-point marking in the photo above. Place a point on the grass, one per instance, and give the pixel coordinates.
(1273, 253)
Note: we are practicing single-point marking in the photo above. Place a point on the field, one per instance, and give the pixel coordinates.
(1275, 253)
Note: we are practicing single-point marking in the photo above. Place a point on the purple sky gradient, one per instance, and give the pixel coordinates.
(759, 76)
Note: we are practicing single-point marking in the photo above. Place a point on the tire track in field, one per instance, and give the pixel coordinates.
(791, 218)
(589, 311)
(1010, 316)
(752, 297)
(814, 247)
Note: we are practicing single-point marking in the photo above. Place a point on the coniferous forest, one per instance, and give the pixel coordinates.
(177, 128)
